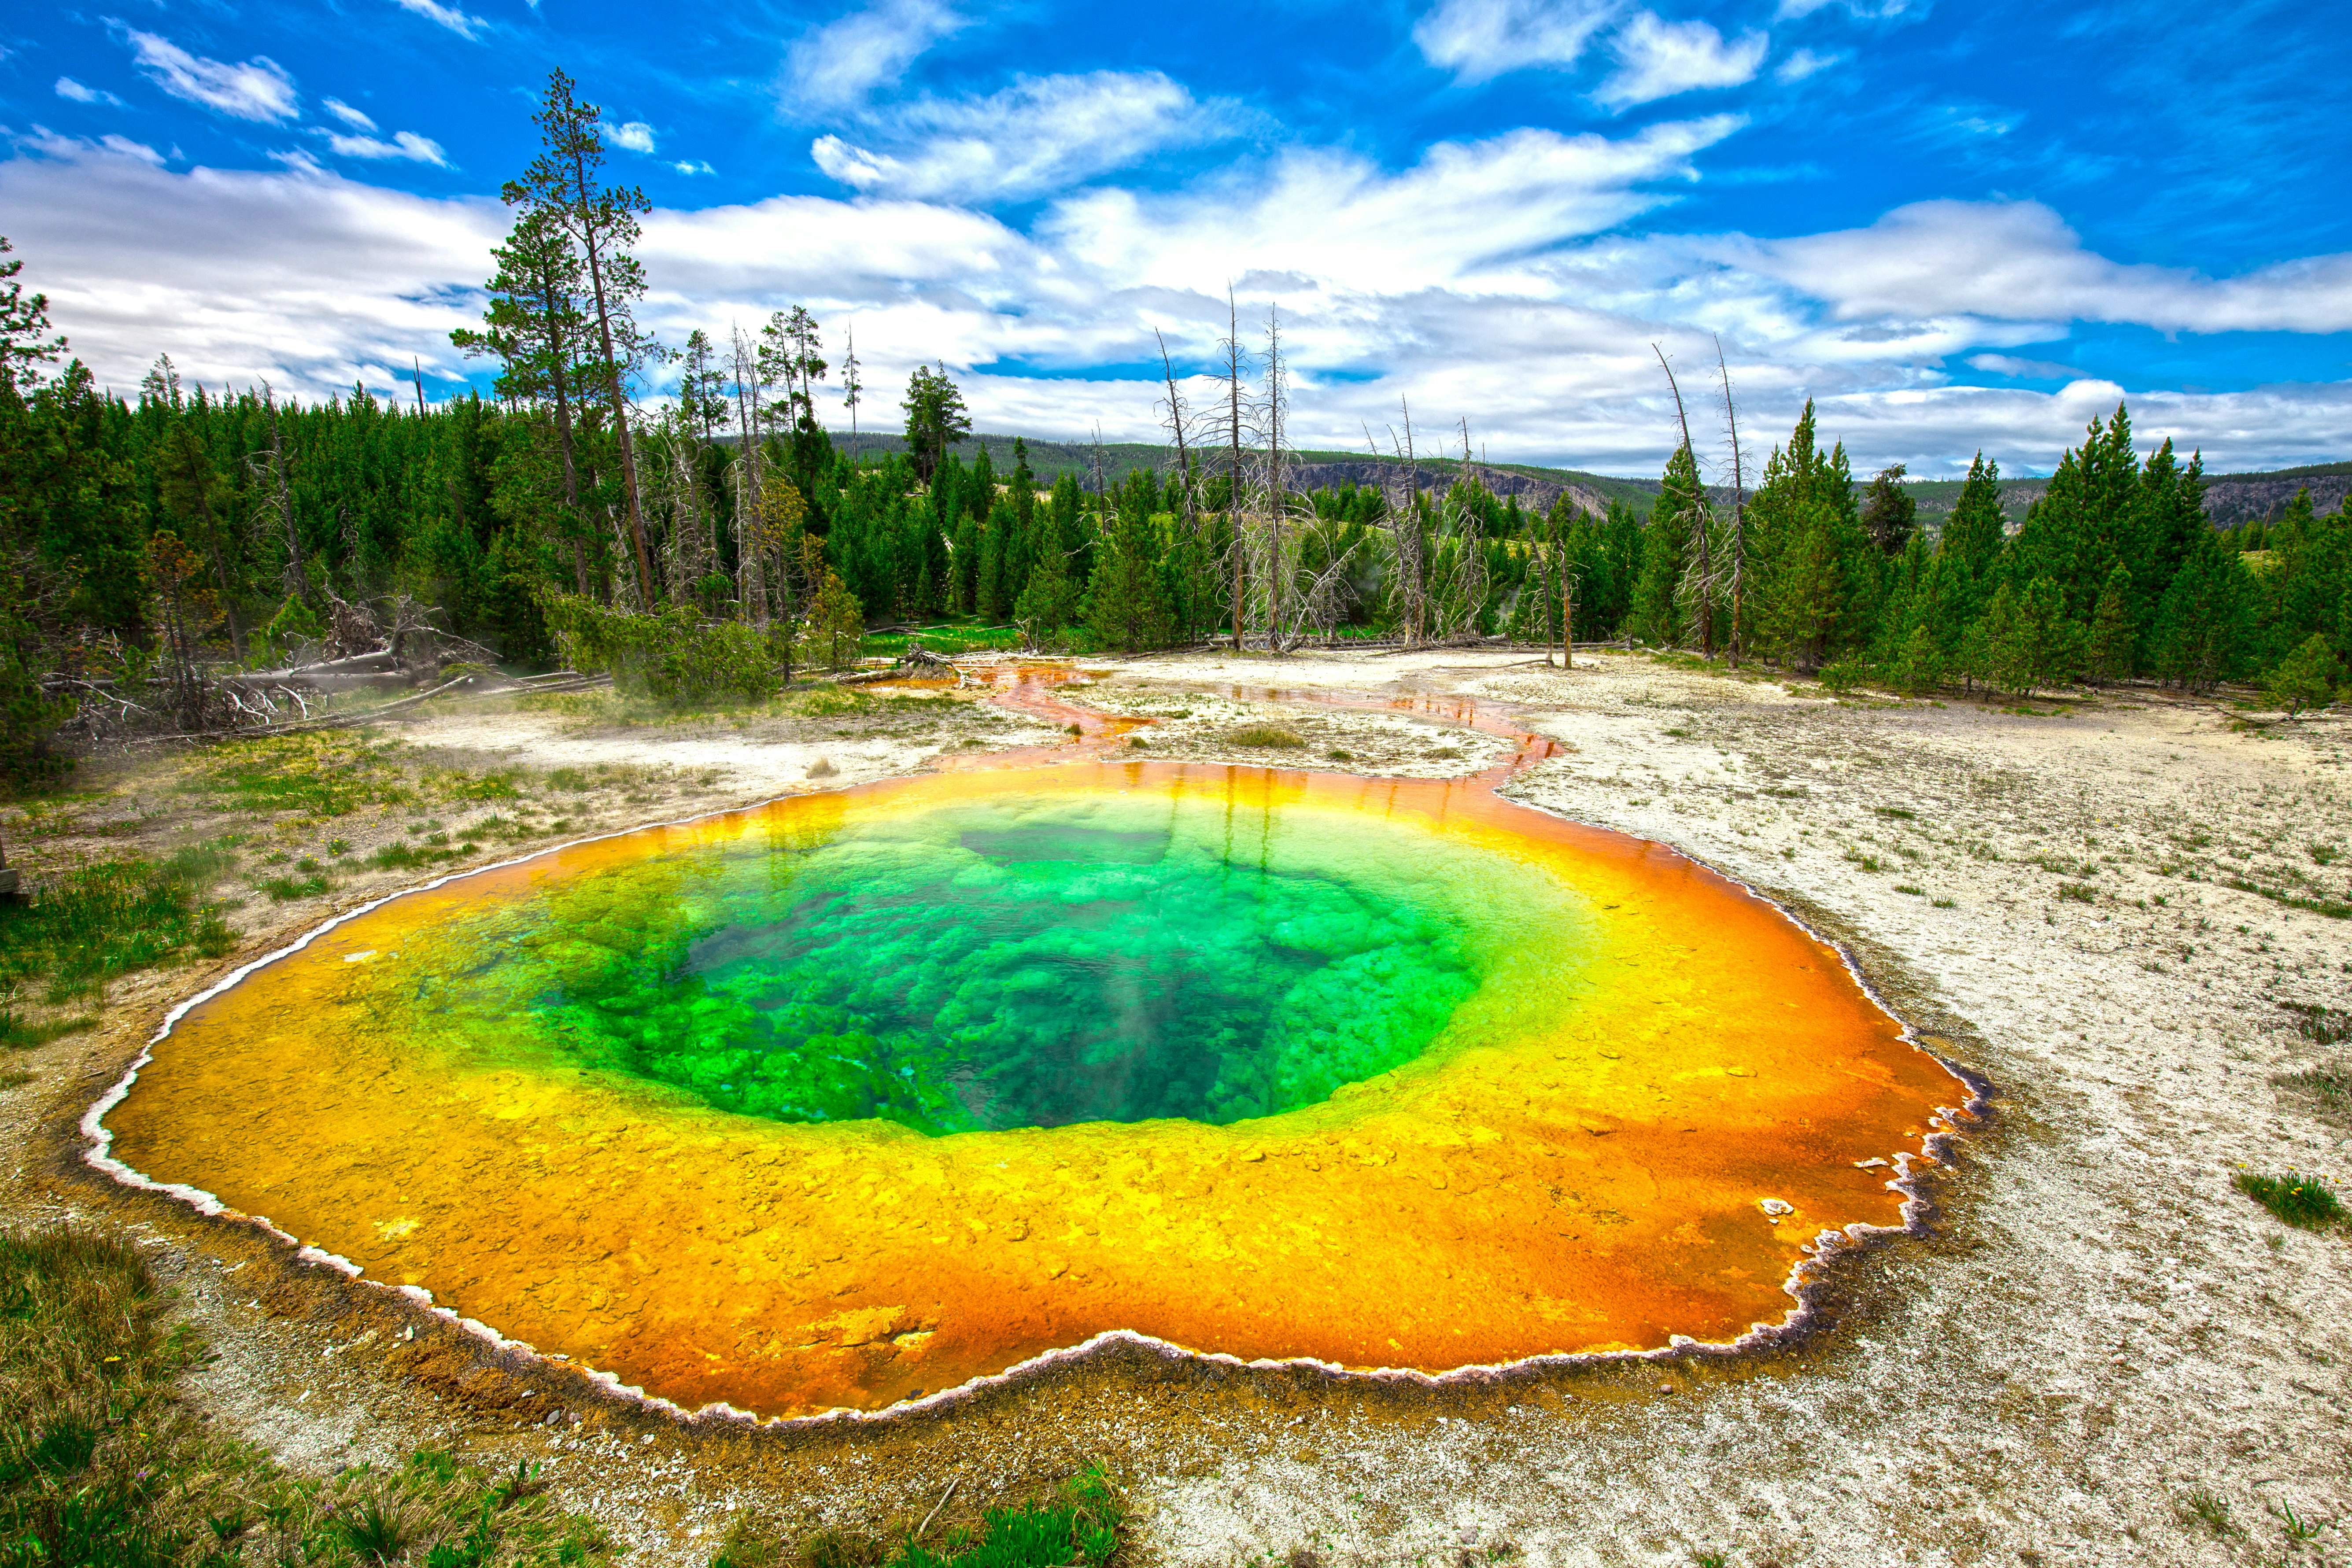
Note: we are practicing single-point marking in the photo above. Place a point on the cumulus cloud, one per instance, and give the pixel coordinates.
(258, 88)
(351, 117)
(1493, 280)
(635, 135)
(2019, 260)
(1658, 60)
(841, 62)
(1040, 134)
(1478, 40)
(76, 92)
(449, 16)
(406, 144)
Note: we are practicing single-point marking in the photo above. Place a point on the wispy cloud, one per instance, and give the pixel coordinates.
(74, 91)
(2031, 369)
(1481, 40)
(405, 144)
(1862, 10)
(841, 62)
(635, 135)
(353, 118)
(1659, 58)
(258, 88)
(2019, 261)
(1039, 135)
(694, 166)
(458, 22)
(50, 144)
(1806, 62)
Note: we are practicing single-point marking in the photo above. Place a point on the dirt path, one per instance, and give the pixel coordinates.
(2104, 1354)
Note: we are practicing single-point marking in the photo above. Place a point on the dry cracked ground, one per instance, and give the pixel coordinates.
(2102, 1353)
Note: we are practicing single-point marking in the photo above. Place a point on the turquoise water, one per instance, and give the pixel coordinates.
(1025, 963)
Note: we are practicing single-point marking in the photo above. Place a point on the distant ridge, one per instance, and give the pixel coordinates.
(2229, 499)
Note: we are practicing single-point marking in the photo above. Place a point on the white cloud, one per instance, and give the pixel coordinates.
(75, 92)
(1493, 279)
(636, 136)
(407, 144)
(1457, 219)
(1658, 60)
(694, 166)
(351, 117)
(449, 16)
(1862, 10)
(301, 277)
(1041, 134)
(2019, 260)
(848, 58)
(2033, 369)
(258, 88)
(1805, 63)
(1481, 40)
(48, 143)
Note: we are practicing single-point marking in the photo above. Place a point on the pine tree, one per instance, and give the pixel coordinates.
(2107, 657)
(2204, 622)
(1049, 601)
(2305, 679)
(1127, 603)
(834, 625)
(1658, 615)
(936, 418)
(1802, 608)
(1888, 511)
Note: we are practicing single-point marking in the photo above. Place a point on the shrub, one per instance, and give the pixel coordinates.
(1265, 736)
(674, 656)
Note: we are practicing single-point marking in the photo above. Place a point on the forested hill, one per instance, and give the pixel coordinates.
(1537, 487)
(2229, 499)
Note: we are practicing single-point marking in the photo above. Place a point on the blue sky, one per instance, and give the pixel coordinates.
(1955, 228)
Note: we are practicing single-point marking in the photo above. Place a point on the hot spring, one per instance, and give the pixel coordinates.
(856, 1096)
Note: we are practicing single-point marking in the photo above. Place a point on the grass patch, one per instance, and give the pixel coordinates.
(287, 890)
(1340, 756)
(16, 1033)
(103, 1463)
(2322, 1025)
(1867, 862)
(2332, 909)
(2330, 1085)
(1908, 887)
(321, 775)
(104, 920)
(2077, 892)
(1270, 736)
(1941, 904)
(1901, 814)
(407, 857)
(2294, 1198)
(1080, 1525)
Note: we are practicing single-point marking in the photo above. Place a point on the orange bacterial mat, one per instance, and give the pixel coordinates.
(1608, 1098)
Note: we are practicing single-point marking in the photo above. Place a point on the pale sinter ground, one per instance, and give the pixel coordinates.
(2103, 1354)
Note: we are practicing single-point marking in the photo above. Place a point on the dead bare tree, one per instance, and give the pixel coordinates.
(1739, 508)
(1699, 584)
(277, 496)
(750, 600)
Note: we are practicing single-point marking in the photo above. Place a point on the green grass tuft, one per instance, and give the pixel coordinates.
(1081, 1525)
(102, 1462)
(1269, 736)
(104, 920)
(2296, 1199)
